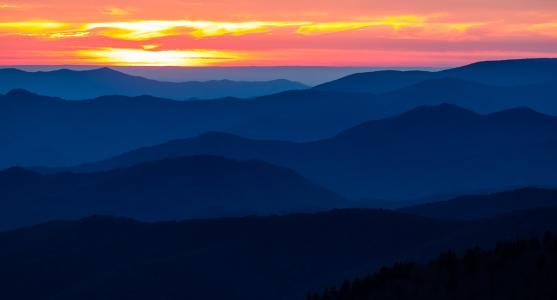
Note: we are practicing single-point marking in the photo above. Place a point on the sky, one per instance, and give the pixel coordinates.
(199, 33)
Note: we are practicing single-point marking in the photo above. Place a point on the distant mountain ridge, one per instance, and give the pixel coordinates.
(171, 189)
(431, 150)
(40, 130)
(43, 131)
(79, 85)
(499, 73)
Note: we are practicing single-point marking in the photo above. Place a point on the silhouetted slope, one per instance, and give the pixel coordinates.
(499, 73)
(247, 258)
(213, 143)
(375, 82)
(80, 85)
(191, 187)
(522, 269)
(484, 206)
(429, 151)
(508, 72)
(471, 95)
(467, 93)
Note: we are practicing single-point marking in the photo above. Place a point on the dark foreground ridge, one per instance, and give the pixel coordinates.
(522, 269)
(254, 258)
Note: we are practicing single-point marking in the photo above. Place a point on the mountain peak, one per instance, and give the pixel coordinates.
(376, 82)
(6, 71)
(433, 116)
(20, 93)
(507, 72)
(105, 70)
(511, 62)
(518, 113)
(18, 172)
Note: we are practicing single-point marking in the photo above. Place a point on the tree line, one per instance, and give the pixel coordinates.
(521, 269)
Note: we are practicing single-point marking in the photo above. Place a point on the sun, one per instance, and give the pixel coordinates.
(147, 57)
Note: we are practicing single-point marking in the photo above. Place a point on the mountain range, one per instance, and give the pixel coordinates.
(430, 151)
(516, 72)
(78, 85)
(44, 131)
(171, 189)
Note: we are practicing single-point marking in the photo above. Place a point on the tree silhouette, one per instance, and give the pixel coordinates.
(522, 269)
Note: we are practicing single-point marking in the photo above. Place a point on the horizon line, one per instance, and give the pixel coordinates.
(271, 66)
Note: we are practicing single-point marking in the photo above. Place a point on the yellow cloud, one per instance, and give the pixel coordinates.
(44, 29)
(392, 22)
(124, 57)
(409, 27)
(549, 29)
(208, 29)
(70, 34)
(320, 28)
(144, 30)
(31, 26)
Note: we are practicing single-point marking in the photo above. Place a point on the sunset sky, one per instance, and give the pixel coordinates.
(271, 32)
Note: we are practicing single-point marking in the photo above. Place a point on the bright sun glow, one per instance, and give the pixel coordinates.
(124, 57)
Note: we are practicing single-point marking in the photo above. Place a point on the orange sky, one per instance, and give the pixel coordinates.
(270, 32)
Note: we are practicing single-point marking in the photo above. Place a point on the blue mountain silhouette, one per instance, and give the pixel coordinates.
(53, 132)
(429, 151)
(499, 73)
(78, 85)
(178, 188)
